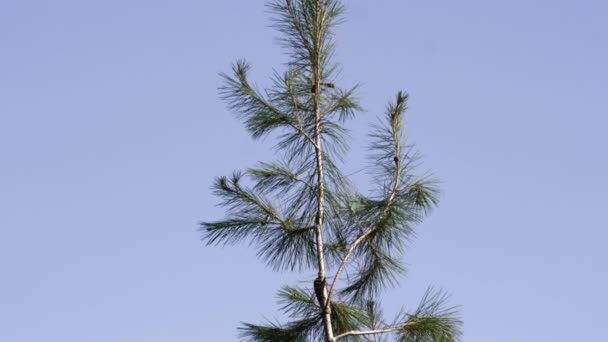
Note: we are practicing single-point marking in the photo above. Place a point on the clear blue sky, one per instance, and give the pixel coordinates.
(111, 132)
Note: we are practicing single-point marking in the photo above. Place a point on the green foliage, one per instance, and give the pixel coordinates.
(282, 242)
(432, 321)
(300, 305)
(301, 213)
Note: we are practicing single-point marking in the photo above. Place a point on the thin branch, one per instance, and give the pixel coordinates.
(241, 85)
(341, 101)
(290, 89)
(374, 332)
(304, 182)
(286, 173)
(256, 96)
(304, 134)
(266, 210)
(337, 105)
(389, 203)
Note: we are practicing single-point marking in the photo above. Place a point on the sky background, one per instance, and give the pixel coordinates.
(111, 132)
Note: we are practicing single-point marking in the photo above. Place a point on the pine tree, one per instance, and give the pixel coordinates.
(304, 214)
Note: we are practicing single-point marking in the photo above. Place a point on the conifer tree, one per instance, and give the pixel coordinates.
(302, 213)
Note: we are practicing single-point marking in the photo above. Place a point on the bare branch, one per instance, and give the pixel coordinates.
(373, 332)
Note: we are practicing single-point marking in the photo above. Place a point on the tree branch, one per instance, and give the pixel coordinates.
(389, 202)
(264, 209)
(373, 332)
(286, 118)
(238, 91)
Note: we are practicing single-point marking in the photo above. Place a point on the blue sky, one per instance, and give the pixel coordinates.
(111, 132)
